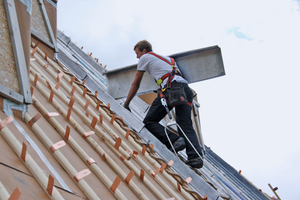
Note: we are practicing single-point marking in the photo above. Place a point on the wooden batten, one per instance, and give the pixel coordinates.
(36, 171)
(83, 155)
(97, 130)
(54, 148)
(3, 192)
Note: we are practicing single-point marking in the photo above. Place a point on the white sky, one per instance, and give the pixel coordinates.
(249, 117)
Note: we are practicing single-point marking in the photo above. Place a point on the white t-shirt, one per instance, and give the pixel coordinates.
(157, 67)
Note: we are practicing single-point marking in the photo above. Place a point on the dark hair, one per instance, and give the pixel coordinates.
(144, 44)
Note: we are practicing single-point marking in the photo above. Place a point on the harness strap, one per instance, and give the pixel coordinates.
(172, 60)
(171, 75)
(172, 63)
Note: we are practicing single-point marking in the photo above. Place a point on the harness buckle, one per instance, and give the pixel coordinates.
(159, 81)
(164, 103)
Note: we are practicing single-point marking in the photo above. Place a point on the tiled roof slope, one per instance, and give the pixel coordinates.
(218, 174)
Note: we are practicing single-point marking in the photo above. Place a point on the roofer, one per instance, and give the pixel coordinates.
(159, 67)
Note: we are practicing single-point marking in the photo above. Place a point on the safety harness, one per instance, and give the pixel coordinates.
(171, 75)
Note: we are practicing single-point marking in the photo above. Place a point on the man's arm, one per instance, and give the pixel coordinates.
(134, 86)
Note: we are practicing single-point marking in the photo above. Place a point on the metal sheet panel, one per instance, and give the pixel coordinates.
(200, 64)
(196, 65)
(72, 66)
(119, 83)
(79, 53)
(198, 184)
(235, 178)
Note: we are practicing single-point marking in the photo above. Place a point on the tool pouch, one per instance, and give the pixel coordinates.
(176, 96)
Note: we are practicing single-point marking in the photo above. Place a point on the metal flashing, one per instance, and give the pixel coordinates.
(10, 94)
(63, 38)
(17, 46)
(197, 65)
(77, 51)
(94, 73)
(72, 66)
(48, 25)
(28, 4)
(52, 3)
(81, 69)
(39, 37)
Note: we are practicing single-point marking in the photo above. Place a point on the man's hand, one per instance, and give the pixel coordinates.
(126, 105)
(134, 88)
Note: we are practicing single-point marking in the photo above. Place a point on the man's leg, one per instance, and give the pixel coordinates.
(183, 119)
(152, 119)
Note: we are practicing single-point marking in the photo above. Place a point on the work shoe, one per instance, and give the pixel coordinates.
(195, 163)
(178, 145)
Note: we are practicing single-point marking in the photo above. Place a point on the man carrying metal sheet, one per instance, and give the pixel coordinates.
(164, 70)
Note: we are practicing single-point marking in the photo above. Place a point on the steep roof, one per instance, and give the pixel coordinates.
(97, 142)
(75, 141)
(216, 174)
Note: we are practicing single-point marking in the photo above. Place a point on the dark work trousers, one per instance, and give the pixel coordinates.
(183, 118)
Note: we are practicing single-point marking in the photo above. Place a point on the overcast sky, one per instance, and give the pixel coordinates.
(249, 117)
